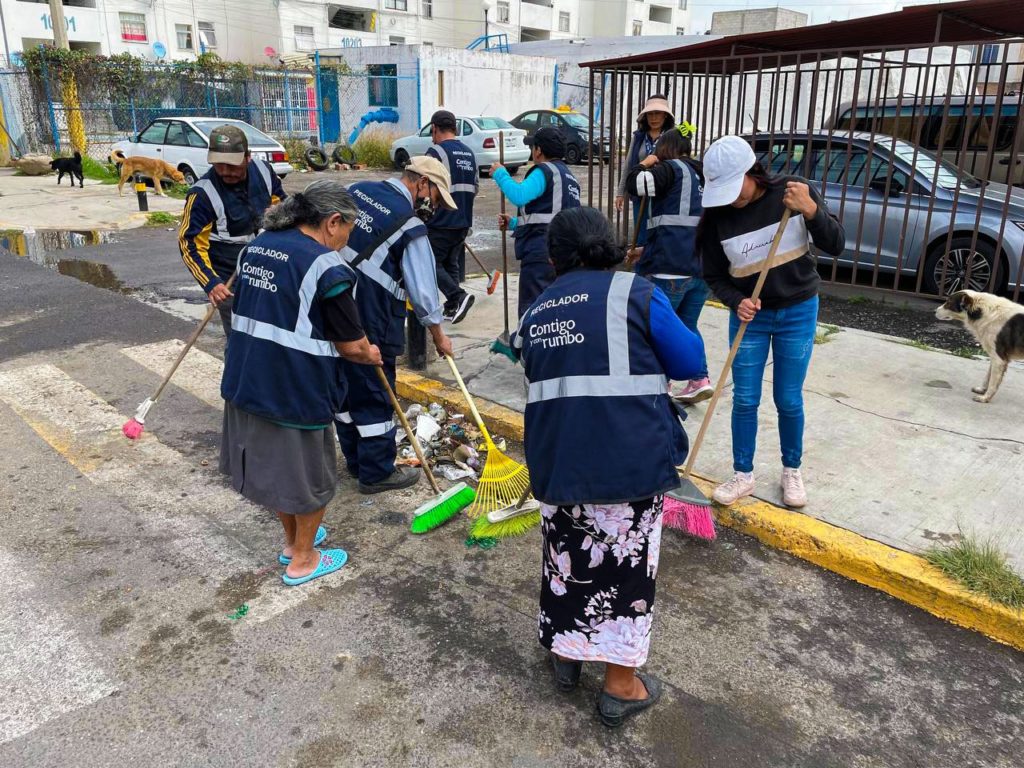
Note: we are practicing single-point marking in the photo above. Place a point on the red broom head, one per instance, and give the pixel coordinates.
(132, 429)
(692, 519)
(493, 285)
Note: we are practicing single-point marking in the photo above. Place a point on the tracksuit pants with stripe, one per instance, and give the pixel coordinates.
(366, 426)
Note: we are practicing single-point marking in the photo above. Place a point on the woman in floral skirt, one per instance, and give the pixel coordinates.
(602, 443)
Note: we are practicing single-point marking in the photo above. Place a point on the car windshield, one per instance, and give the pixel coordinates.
(925, 163)
(256, 138)
(576, 120)
(492, 123)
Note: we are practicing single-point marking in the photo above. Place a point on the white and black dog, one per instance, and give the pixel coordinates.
(997, 324)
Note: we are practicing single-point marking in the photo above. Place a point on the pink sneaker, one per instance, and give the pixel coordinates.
(694, 392)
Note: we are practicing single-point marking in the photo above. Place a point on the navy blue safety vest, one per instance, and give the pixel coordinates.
(238, 217)
(600, 428)
(380, 292)
(561, 190)
(461, 164)
(278, 364)
(672, 227)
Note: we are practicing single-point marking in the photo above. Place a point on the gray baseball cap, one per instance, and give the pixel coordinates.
(228, 144)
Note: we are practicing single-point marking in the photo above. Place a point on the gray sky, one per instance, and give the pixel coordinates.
(820, 12)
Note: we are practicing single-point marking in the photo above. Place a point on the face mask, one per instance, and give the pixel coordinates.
(424, 209)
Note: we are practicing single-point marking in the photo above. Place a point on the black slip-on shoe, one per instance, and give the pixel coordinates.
(460, 312)
(567, 673)
(614, 711)
(402, 477)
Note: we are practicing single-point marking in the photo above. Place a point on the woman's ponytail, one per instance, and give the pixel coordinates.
(582, 237)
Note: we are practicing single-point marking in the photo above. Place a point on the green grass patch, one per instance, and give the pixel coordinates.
(916, 344)
(104, 173)
(296, 149)
(858, 300)
(825, 333)
(373, 147)
(969, 352)
(177, 191)
(981, 568)
(161, 219)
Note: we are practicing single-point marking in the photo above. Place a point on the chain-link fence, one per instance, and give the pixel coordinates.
(390, 90)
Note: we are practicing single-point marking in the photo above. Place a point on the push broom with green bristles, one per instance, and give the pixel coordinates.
(446, 505)
(499, 510)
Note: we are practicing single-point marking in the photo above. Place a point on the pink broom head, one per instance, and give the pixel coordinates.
(132, 429)
(493, 285)
(692, 519)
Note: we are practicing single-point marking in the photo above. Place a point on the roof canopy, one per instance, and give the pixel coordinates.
(913, 27)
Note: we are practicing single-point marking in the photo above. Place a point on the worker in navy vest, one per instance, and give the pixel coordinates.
(391, 254)
(602, 444)
(549, 187)
(223, 212)
(447, 230)
(294, 314)
(672, 182)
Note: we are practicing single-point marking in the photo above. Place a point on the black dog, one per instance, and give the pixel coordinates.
(72, 166)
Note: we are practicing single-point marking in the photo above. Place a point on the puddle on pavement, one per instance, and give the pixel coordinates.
(90, 272)
(46, 246)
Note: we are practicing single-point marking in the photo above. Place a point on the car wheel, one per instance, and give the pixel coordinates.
(401, 159)
(572, 154)
(943, 276)
(315, 158)
(189, 174)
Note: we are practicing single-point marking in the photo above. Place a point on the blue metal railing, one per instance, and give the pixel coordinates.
(497, 43)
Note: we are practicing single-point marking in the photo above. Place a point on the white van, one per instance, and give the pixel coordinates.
(919, 120)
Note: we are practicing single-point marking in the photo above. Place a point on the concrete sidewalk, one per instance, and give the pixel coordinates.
(895, 450)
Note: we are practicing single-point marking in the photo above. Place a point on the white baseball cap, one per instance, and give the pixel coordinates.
(725, 164)
(432, 169)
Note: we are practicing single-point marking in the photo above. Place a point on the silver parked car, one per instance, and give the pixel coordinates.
(853, 169)
(479, 134)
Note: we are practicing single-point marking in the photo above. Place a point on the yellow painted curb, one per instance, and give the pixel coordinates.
(895, 572)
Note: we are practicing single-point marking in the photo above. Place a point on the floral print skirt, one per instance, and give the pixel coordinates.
(597, 589)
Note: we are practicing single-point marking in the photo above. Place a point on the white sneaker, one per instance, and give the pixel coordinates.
(793, 492)
(741, 484)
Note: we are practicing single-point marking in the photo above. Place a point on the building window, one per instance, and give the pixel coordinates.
(207, 35)
(680, 30)
(638, 28)
(184, 35)
(133, 27)
(682, 5)
(503, 13)
(395, 40)
(396, 5)
(382, 84)
(428, 9)
(563, 21)
(304, 39)
(990, 54)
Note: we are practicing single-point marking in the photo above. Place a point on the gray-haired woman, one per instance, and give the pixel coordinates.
(293, 316)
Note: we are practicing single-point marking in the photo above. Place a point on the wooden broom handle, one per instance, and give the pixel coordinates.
(504, 234)
(469, 399)
(188, 344)
(639, 218)
(720, 385)
(408, 430)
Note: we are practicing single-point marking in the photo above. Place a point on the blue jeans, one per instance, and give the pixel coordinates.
(687, 296)
(789, 333)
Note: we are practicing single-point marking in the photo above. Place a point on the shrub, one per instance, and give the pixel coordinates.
(373, 147)
(98, 171)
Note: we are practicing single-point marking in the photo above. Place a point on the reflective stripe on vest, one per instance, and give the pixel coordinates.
(379, 429)
(307, 291)
(619, 382)
(221, 235)
(447, 165)
(556, 200)
(372, 267)
(683, 218)
(290, 339)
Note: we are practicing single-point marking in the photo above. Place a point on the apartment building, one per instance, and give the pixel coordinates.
(616, 18)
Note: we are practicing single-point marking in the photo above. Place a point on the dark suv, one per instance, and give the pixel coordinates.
(573, 125)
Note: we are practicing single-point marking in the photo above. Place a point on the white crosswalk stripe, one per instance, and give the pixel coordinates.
(38, 647)
(199, 373)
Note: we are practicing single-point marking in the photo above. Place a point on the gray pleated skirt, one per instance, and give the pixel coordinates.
(287, 470)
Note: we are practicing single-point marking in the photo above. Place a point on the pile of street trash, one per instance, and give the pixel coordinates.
(451, 443)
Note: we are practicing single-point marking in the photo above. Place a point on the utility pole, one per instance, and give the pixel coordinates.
(60, 30)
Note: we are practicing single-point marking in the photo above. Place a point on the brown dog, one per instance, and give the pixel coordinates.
(149, 167)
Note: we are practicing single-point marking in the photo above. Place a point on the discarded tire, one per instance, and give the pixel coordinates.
(315, 159)
(344, 154)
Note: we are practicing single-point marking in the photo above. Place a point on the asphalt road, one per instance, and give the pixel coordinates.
(123, 564)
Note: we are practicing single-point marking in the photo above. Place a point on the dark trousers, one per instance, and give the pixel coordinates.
(534, 278)
(449, 250)
(366, 426)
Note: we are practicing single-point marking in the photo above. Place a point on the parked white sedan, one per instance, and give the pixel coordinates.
(479, 134)
(184, 141)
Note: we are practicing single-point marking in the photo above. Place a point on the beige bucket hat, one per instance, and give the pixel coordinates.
(656, 104)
